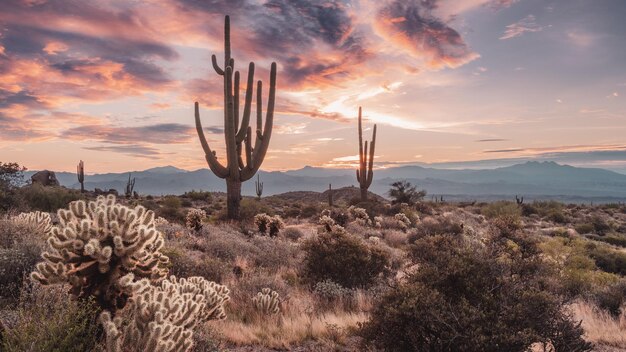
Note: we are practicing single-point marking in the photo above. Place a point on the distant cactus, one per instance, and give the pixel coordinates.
(259, 187)
(97, 243)
(243, 159)
(520, 201)
(130, 186)
(327, 224)
(330, 195)
(194, 218)
(365, 172)
(162, 318)
(267, 301)
(276, 224)
(80, 173)
(36, 219)
(378, 222)
(403, 221)
(360, 215)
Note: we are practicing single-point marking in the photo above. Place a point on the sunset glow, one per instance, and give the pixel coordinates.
(113, 82)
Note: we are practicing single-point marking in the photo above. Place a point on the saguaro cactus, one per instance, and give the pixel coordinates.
(80, 173)
(130, 186)
(237, 132)
(259, 187)
(330, 195)
(365, 172)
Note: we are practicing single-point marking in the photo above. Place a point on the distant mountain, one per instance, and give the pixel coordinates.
(534, 180)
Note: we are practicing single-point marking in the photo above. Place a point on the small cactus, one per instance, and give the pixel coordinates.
(262, 222)
(80, 174)
(403, 221)
(194, 218)
(267, 301)
(276, 224)
(41, 221)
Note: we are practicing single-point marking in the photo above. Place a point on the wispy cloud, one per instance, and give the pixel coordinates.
(526, 25)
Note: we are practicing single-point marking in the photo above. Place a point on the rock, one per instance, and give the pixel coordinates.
(45, 178)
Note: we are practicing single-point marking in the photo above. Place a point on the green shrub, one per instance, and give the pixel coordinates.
(49, 199)
(250, 207)
(614, 239)
(612, 297)
(600, 226)
(198, 196)
(309, 211)
(609, 260)
(292, 233)
(470, 297)
(343, 258)
(48, 320)
(501, 209)
(584, 228)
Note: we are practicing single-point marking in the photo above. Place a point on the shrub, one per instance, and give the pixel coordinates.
(250, 207)
(344, 259)
(405, 192)
(431, 226)
(198, 196)
(14, 265)
(97, 243)
(501, 209)
(292, 233)
(48, 199)
(609, 260)
(47, 319)
(612, 298)
(475, 298)
(600, 226)
(584, 228)
(340, 217)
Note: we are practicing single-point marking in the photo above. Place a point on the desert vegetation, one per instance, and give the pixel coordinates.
(350, 270)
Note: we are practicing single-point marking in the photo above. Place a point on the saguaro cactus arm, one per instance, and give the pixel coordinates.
(218, 169)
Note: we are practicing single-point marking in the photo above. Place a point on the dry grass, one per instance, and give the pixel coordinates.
(600, 327)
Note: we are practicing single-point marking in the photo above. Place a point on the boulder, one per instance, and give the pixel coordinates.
(45, 178)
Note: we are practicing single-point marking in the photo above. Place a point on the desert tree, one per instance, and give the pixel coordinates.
(405, 192)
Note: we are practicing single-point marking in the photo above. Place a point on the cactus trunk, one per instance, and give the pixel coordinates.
(233, 198)
(365, 172)
(243, 158)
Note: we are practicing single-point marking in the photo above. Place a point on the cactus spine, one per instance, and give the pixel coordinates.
(80, 173)
(365, 172)
(259, 187)
(130, 186)
(237, 133)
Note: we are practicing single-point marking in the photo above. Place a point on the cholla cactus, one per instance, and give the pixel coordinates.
(41, 221)
(267, 301)
(160, 221)
(360, 216)
(162, 318)
(403, 221)
(194, 219)
(329, 225)
(262, 222)
(276, 224)
(97, 243)
(378, 222)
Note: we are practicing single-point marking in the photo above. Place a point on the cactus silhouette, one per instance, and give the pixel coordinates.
(259, 187)
(80, 173)
(365, 172)
(237, 132)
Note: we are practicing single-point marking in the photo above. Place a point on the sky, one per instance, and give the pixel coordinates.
(468, 83)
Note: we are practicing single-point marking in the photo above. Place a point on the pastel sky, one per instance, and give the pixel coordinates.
(113, 82)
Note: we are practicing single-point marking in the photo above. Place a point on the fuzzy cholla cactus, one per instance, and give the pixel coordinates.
(262, 221)
(97, 243)
(267, 301)
(41, 221)
(161, 318)
(403, 221)
(378, 222)
(276, 224)
(194, 219)
(160, 221)
(360, 215)
(327, 224)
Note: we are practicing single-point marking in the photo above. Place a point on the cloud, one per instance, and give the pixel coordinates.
(165, 133)
(492, 140)
(136, 150)
(526, 25)
(412, 25)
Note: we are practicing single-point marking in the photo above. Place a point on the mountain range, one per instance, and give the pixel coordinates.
(533, 180)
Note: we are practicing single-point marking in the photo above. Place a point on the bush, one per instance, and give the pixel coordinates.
(584, 228)
(501, 209)
(405, 192)
(250, 207)
(198, 196)
(48, 320)
(609, 260)
(292, 233)
(48, 199)
(474, 298)
(344, 259)
(600, 226)
(612, 298)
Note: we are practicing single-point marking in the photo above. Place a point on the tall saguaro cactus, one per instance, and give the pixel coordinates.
(237, 131)
(365, 172)
(80, 173)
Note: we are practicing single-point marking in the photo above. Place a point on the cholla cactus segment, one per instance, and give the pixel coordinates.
(403, 221)
(360, 216)
(194, 219)
(98, 242)
(41, 221)
(262, 222)
(276, 224)
(267, 301)
(162, 317)
(160, 221)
